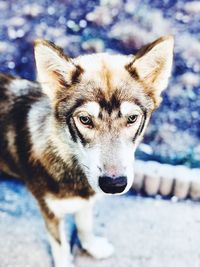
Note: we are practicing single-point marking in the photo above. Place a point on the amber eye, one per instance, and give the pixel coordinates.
(132, 119)
(86, 120)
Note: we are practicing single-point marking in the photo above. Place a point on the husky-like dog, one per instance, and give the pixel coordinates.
(73, 135)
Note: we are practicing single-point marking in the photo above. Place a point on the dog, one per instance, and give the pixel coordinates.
(72, 135)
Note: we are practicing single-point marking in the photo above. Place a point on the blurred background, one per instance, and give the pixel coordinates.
(151, 230)
(118, 26)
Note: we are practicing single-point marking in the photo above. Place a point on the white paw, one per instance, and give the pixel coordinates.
(98, 247)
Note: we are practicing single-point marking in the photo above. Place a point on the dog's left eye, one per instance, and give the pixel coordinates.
(132, 119)
(86, 120)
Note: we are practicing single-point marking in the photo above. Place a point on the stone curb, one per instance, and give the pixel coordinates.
(155, 178)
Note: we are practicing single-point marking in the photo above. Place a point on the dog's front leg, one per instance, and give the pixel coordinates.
(96, 246)
(60, 247)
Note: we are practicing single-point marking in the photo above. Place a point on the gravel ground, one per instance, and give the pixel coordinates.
(145, 231)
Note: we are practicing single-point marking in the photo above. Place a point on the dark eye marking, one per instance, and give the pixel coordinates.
(141, 126)
(74, 131)
(110, 105)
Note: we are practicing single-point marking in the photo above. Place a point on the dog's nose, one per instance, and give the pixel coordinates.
(112, 185)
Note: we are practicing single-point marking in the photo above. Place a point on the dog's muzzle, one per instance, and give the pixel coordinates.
(112, 185)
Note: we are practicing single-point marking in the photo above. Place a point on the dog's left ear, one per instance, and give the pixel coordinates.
(55, 70)
(153, 63)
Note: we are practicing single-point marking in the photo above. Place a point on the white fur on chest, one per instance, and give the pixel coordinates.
(61, 207)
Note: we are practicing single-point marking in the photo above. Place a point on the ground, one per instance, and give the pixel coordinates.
(145, 231)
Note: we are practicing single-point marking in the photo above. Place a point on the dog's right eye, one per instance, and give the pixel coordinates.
(86, 120)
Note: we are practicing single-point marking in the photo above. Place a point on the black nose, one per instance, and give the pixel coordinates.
(112, 185)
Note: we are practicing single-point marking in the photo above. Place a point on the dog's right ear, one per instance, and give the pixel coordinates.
(55, 70)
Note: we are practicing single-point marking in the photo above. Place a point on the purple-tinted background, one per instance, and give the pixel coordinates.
(82, 26)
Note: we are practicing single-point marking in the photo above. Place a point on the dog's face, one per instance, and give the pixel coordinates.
(102, 104)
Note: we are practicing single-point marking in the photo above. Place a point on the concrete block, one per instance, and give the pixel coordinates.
(166, 179)
(195, 184)
(151, 178)
(182, 182)
(139, 175)
(138, 181)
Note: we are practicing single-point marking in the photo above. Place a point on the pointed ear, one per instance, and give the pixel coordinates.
(55, 71)
(153, 63)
